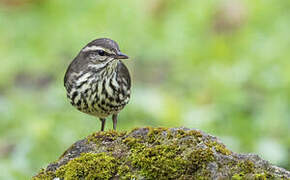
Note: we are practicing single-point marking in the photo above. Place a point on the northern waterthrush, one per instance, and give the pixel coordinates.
(97, 82)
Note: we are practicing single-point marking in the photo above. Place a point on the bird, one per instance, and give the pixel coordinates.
(97, 82)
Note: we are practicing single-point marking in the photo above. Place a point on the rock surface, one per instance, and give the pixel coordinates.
(157, 153)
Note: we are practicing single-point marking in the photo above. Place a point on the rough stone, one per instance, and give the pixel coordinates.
(157, 153)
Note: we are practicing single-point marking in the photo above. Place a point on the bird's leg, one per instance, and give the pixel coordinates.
(115, 119)
(103, 123)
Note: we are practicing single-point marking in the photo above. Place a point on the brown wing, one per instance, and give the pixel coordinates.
(124, 73)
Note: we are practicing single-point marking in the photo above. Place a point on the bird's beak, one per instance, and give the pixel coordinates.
(121, 56)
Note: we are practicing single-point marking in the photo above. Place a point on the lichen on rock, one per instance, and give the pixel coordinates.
(157, 153)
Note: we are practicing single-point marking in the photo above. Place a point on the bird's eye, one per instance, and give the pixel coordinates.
(101, 52)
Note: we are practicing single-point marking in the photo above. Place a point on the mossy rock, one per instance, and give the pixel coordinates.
(157, 153)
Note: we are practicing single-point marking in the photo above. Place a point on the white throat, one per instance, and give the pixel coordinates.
(107, 67)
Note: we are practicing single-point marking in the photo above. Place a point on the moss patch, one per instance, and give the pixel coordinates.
(158, 162)
(44, 175)
(220, 148)
(101, 136)
(89, 166)
(247, 166)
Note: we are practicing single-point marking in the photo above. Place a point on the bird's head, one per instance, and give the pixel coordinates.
(101, 52)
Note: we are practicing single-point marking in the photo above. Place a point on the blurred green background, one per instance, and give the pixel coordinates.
(219, 66)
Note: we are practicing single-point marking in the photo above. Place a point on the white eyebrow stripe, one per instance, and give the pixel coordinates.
(92, 48)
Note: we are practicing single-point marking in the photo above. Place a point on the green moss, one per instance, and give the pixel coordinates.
(44, 175)
(89, 166)
(239, 176)
(100, 136)
(158, 162)
(194, 133)
(199, 159)
(220, 148)
(247, 166)
(247, 170)
(264, 176)
(131, 141)
(155, 135)
(260, 176)
(124, 171)
(181, 134)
